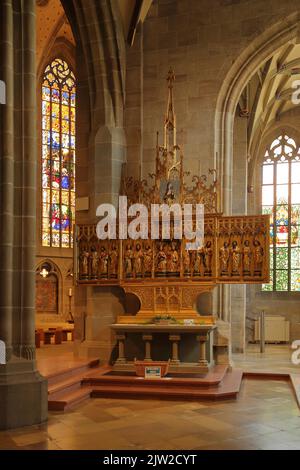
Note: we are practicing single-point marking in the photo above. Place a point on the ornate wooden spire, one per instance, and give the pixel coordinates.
(170, 120)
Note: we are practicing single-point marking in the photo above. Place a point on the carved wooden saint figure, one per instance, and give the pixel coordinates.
(198, 263)
(186, 262)
(95, 263)
(138, 260)
(84, 261)
(148, 261)
(128, 261)
(113, 262)
(172, 260)
(224, 258)
(161, 260)
(247, 254)
(103, 262)
(207, 258)
(235, 258)
(258, 257)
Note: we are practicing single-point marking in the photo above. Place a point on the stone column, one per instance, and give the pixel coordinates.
(6, 177)
(202, 340)
(29, 164)
(147, 339)
(121, 346)
(175, 355)
(23, 392)
(239, 206)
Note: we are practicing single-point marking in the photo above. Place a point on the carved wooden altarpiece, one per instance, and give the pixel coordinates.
(166, 278)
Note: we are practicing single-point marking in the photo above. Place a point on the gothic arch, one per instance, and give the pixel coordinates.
(54, 270)
(242, 70)
(61, 48)
(97, 28)
(271, 134)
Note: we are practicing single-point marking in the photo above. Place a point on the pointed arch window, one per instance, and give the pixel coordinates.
(58, 154)
(281, 199)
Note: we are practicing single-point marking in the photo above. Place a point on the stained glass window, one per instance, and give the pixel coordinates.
(281, 199)
(58, 154)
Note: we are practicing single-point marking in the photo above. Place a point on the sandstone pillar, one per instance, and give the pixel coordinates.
(23, 392)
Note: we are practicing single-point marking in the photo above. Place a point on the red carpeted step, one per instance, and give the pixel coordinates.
(228, 388)
(212, 378)
(69, 399)
(72, 382)
(65, 374)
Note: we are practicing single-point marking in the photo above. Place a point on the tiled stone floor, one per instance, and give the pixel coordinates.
(265, 416)
(276, 358)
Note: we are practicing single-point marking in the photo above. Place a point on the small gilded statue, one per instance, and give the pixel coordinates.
(148, 256)
(207, 258)
(129, 255)
(186, 262)
(84, 259)
(113, 262)
(138, 260)
(103, 262)
(172, 261)
(198, 263)
(258, 257)
(95, 263)
(235, 258)
(161, 261)
(247, 254)
(224, 255)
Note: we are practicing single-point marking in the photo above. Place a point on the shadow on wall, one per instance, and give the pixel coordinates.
(204, 304)
(132, 304)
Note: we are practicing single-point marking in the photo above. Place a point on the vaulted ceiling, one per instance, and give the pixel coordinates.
(52, 22)
(268, 95)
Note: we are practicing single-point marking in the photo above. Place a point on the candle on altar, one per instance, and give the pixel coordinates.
(70, 292)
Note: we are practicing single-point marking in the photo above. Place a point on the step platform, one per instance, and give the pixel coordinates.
(68, 389)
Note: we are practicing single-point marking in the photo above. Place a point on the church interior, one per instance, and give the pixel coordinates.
(137, 344)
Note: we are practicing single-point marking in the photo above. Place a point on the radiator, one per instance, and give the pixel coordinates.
(277, 330)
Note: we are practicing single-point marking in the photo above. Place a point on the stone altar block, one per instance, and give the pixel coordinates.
(202, 334)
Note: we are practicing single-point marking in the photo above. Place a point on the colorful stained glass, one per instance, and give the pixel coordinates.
(295, 235)
(45, 239)
(295, 280)
(271, 258)
(46, 211)
(295, 258)
(46, 108)
(282, 280)
(268, 287)
(58, 154)
(45, 94)
(281, 199)
(66, 98)
(282, 258)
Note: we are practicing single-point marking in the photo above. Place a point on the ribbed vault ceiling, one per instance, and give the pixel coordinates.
(268, 95)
